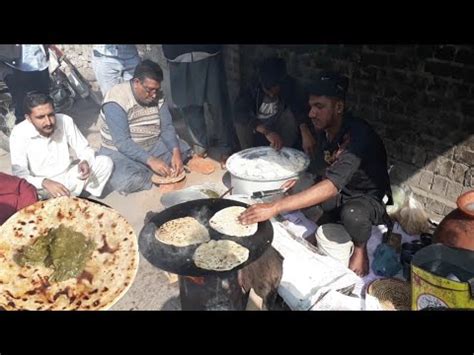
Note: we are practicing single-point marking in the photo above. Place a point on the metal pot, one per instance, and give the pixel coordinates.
(247, 185)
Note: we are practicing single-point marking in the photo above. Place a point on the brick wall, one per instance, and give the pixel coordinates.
(418, 98)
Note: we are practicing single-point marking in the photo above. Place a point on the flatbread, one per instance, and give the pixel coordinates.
(220, 255)
(225, 221)
(161, 180)
(107, 276)
(182, 232)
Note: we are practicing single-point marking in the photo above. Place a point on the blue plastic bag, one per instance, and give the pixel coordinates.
(386, 261)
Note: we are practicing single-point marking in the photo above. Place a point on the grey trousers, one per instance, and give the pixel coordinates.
(130, 175)
(195, 84)
(357, 215)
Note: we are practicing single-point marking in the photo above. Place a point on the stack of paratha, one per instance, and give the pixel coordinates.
(182, 232)
(225, 221)
(164, 180)
(108, 273)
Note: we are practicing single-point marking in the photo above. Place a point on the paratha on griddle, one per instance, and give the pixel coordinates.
(225, 221)
(182, 232)
(220, 255)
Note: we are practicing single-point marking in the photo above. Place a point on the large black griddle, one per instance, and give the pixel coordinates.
(179, 260)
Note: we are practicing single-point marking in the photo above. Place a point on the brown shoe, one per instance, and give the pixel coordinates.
(201, 165)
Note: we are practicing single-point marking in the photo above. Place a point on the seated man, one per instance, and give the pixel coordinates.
(355, 178)
(138, 134)
(274, 110)
(15, 193)
(39, 148)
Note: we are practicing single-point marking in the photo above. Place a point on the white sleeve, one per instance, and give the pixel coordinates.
(77, 141)
(19, 159)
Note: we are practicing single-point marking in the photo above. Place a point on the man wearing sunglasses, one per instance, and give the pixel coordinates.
(138, 134)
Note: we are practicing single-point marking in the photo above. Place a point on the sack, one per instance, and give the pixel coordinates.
(413, 218)
(408, 212)
(399, 196)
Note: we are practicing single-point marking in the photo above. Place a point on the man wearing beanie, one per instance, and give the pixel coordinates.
(354, 178)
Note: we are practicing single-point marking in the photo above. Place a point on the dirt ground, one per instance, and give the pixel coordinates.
(151, 289)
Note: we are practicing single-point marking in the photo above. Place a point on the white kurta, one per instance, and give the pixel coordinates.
(35, 157)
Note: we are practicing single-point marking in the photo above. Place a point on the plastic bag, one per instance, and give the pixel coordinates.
(412, 217)
(399, 195)
(386, 261)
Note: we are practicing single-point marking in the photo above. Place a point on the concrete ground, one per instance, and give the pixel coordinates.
(151, 289)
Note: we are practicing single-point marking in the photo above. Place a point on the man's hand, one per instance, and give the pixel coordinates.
(55, 189)
(309, 143)
(84, 169)
(159, 166)
(275, 140)
(289, 184)
(176, 162)
(258, 213)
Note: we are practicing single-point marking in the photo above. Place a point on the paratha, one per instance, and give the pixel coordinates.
(107, 275)
(220, 255)
(182, 232)
(225, 221)
(162, 180)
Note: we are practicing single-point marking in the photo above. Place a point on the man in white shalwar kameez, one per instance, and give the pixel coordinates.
(39, 150)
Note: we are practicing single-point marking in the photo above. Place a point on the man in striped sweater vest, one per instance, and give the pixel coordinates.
(138, 134)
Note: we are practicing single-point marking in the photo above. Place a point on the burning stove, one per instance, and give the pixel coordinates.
(212, 293)
(204, 289)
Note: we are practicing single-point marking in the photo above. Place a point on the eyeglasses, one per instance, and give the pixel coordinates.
(151, 91)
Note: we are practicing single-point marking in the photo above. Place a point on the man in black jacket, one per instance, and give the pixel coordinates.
(274, 110)
(24, 68)
(355, 179)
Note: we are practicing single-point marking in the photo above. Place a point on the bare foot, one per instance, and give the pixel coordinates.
(223, 161)
(201, 165)
(359, 262)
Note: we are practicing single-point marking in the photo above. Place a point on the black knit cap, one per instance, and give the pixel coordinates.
(272, 72)
(330, 84)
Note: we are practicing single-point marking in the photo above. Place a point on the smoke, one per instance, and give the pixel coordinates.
(203, 215)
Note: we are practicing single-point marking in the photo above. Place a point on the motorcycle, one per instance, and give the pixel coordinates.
(67, 75)
(67, 86)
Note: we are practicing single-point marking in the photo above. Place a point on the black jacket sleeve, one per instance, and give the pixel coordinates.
(11, 54)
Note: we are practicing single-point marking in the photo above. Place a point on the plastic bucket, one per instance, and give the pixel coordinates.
(334, 241)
